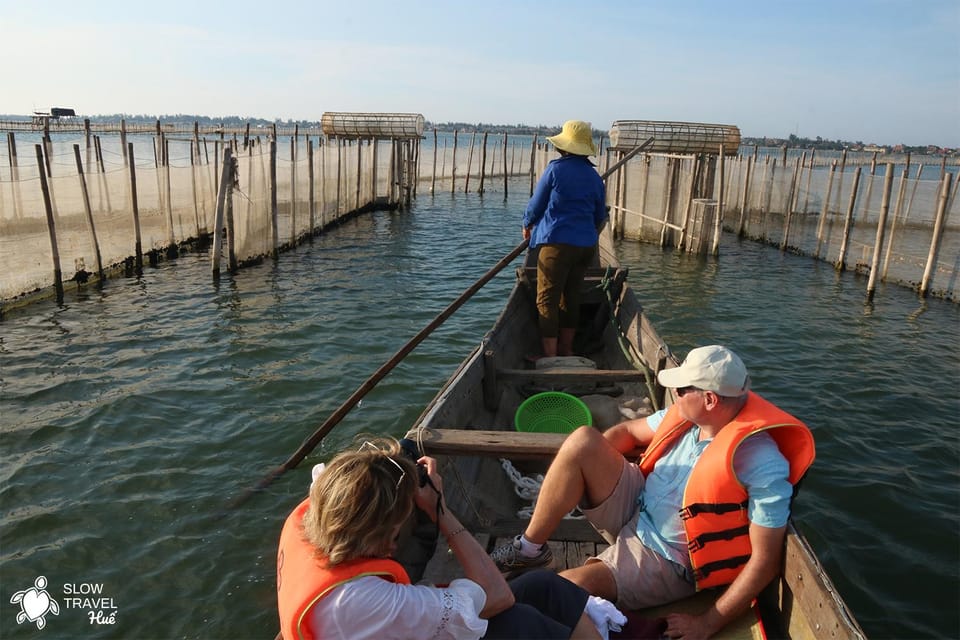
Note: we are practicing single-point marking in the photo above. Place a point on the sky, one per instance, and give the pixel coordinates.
(873, 71)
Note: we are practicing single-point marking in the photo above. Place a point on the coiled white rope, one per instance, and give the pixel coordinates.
(528, 488)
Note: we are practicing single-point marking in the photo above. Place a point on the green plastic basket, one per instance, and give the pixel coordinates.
(552, 412)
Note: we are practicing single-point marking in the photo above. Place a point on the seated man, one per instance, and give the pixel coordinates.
(706, 505)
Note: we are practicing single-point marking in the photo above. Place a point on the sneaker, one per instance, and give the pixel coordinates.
(508, 559)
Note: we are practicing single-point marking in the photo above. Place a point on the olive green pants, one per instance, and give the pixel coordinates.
(560, 271)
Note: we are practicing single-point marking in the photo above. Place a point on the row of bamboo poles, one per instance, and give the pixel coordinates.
(355, 185)
(900, 206)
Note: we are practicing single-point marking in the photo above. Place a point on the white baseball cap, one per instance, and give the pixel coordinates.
(713, 368)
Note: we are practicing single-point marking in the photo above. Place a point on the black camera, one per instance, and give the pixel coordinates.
(411, 451)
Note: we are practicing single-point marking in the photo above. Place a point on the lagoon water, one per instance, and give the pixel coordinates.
(132, 415)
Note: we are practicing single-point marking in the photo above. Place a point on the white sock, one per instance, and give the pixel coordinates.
(527, 548)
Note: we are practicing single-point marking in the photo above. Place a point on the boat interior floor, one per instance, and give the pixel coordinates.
(567, 554)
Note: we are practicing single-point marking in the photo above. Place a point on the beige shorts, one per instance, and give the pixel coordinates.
(644, 578)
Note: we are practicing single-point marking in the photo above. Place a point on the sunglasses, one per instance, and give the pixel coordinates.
(372, 447)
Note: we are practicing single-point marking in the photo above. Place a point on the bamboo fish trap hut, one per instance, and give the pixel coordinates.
(342, 124)
(675, 137)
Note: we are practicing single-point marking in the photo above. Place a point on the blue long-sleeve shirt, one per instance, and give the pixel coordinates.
(568, 205)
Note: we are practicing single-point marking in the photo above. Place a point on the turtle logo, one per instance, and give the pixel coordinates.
(35, 603)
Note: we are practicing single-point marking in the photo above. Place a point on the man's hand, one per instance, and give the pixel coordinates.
(688, 627)
(526, 233)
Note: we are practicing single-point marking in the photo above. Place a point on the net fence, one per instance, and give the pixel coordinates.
(67, 205)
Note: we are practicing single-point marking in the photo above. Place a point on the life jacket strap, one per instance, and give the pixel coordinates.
(700, 573)
(727, 534)
(695, 509)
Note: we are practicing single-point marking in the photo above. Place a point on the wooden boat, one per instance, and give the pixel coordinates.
(469, 428)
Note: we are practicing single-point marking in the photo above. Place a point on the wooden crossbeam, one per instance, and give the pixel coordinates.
(481, 442)
(571, 375)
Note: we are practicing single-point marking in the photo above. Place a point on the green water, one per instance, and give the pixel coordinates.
(132, 416)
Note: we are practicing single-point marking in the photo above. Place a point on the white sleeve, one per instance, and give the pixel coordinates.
(373, 608)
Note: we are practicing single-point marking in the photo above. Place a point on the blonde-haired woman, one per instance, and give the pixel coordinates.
(336, 577)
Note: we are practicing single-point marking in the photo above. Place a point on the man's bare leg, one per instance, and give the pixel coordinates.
(586, 467)
(594, 578)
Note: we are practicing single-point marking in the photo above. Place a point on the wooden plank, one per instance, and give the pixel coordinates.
(482, 442)
(811, 606)
(562, 375)
(746, 627)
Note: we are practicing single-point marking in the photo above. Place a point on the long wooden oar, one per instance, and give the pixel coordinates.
(310, 443)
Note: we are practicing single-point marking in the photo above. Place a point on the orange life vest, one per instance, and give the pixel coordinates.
(714, 508)
(303, 579)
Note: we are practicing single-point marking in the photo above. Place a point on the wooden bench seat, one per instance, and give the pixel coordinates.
(483, 442)
(571, 375)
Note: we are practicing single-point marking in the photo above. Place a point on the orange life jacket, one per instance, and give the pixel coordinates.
(303, 579)
(714, 508)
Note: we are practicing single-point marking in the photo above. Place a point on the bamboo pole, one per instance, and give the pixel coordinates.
(416, 166)
(766, 194)
(466, 184)
(374, 173)
(220, 213)
(483, 162)
(230, 177)
(881, 228)
(340, 162)
(51, 225)
(102, 176)
(689, 203)
(311, 185)
(642, 196)
(618, 199)
(98, 262)
(866, 203)
(533, 156)
(391, 197)
(937, 235)
(323, 182)
(433, 178)
(843, 167)
(293, 187)
(274, 226)
(193, 187)
(172, 248)
(825, 209)
(913, 192)
(745, 199)
(359, 174)
(806, 197)
(453, 163)
(789, 213)
(505, 175)
(840, 265)
(667, 199)
(123, 142)
(250, 209)
(14, 174)
(897, 215)
(138, 250)
(443, 160)
(718, 222)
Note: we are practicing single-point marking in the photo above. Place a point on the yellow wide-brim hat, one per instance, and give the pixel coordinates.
(576, 137)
